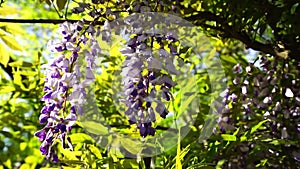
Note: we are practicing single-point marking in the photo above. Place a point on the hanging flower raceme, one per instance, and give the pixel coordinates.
(145, 84)
(64, 88)
(269, 93)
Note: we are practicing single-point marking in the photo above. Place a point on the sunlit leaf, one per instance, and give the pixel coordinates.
(18, 80)
(228, 137)
(7, 10)
(70, 155)
(95, 151)
(23, 146)
(188, 95)
(178, 160)
(228, 59)
(25, 166)
(130, 145)
(80, 138)
(20, 64)
(94, 127)
(254, 128)
(4, 55)
(129, 163)
(11, 42)
(12, 28)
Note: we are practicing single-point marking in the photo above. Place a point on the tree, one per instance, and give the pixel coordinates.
(256, 120)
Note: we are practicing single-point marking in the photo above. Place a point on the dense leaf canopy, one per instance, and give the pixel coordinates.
(256, 126)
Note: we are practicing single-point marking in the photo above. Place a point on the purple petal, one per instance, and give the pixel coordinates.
(55, 158)
(140, 85)
(143, 130)
(151, 114)
(172, 49)
(47, 96)
(89, 74)
(164, 114)
(160, 108)
(73, 110)
(44, 149)
(134, 93)
(151, 131)
(148, 104)
(43, 118)
(40, 134)
(132, 120)
(170, 66)
(59, 48)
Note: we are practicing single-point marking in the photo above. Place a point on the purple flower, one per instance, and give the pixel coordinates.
(63, 84)
(44, 149)
(146, 129)
(41, 135)
(55, 158)
(142, 74)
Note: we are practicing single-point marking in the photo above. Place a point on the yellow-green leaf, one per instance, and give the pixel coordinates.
(95, 151)
(228, 137)
(188, 95)
(31, 159)
(131, 146)
(80, 138)
(94, 127)
(70, 155)
(23, 146)
(25, 166)
(254, 128)
(7, 10)
(4, 55)
(13, 28)
(18, 78)
(178, 160)
(11, 42)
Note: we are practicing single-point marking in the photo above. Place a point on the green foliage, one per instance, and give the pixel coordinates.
(270, 27)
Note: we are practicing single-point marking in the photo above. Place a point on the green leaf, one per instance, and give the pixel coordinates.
(236, 132)
(7, 10)
(11, 42)
(94, 127)
(228, 137)
(18, 80)
(129, 163)
(23, 146)
(294, 7)
(254, 128)
(228, 59)
(4, 55)
(80, 138)
(131, 146)
(20, 64)
(12, 28)
(188, 95)
(61, 4)
(25, 166)
(95, 151)
(70, 155)
(178, 160)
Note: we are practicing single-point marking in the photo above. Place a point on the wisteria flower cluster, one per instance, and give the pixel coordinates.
(270, 92)
(64, 87)
(147, 78)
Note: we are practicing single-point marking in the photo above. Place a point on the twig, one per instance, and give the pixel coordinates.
(66, 10)
(45, 21)
(232, 33)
